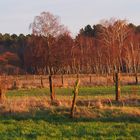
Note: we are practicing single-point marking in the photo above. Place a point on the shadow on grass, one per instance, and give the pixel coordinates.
(61, 116)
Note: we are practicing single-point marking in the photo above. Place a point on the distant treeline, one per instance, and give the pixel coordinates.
(102, 48)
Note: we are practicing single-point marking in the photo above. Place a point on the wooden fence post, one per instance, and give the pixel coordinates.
(90, 80)
(136, 78)
(75, 91)
(114, 77)
(117, 86)
(2, 95)
(62, 79)
(15, 84)
(3, 88)
(26, 76)
(52, 93)
(77, 76)
(41, 80)
(34, 77)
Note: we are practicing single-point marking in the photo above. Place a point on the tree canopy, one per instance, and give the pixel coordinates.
(112, 45)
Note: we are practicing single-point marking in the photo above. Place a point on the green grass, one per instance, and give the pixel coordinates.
(55, 123)
(106, 91)
(49, 125)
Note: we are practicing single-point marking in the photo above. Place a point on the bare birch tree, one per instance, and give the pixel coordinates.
(113, 37)
(48, 25)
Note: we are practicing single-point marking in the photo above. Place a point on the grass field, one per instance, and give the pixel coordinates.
(27, 114)
(83, 91)
(50, 125)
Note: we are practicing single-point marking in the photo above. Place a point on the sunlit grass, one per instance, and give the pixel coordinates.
(28, 115)
(84, 92)
(55, 123)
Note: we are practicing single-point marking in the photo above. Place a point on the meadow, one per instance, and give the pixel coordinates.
(28, 114)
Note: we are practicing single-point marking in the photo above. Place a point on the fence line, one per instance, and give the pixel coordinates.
(38, 81)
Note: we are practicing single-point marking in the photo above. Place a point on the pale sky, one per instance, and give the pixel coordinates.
(16, 15)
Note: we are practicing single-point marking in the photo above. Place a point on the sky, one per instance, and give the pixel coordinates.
(16, 15)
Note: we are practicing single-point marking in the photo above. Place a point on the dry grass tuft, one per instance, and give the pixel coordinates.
(25, 104)
(84, 108)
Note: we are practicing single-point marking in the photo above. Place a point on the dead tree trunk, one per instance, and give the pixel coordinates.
(52, 93)
(75, 91)
(117, 86)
